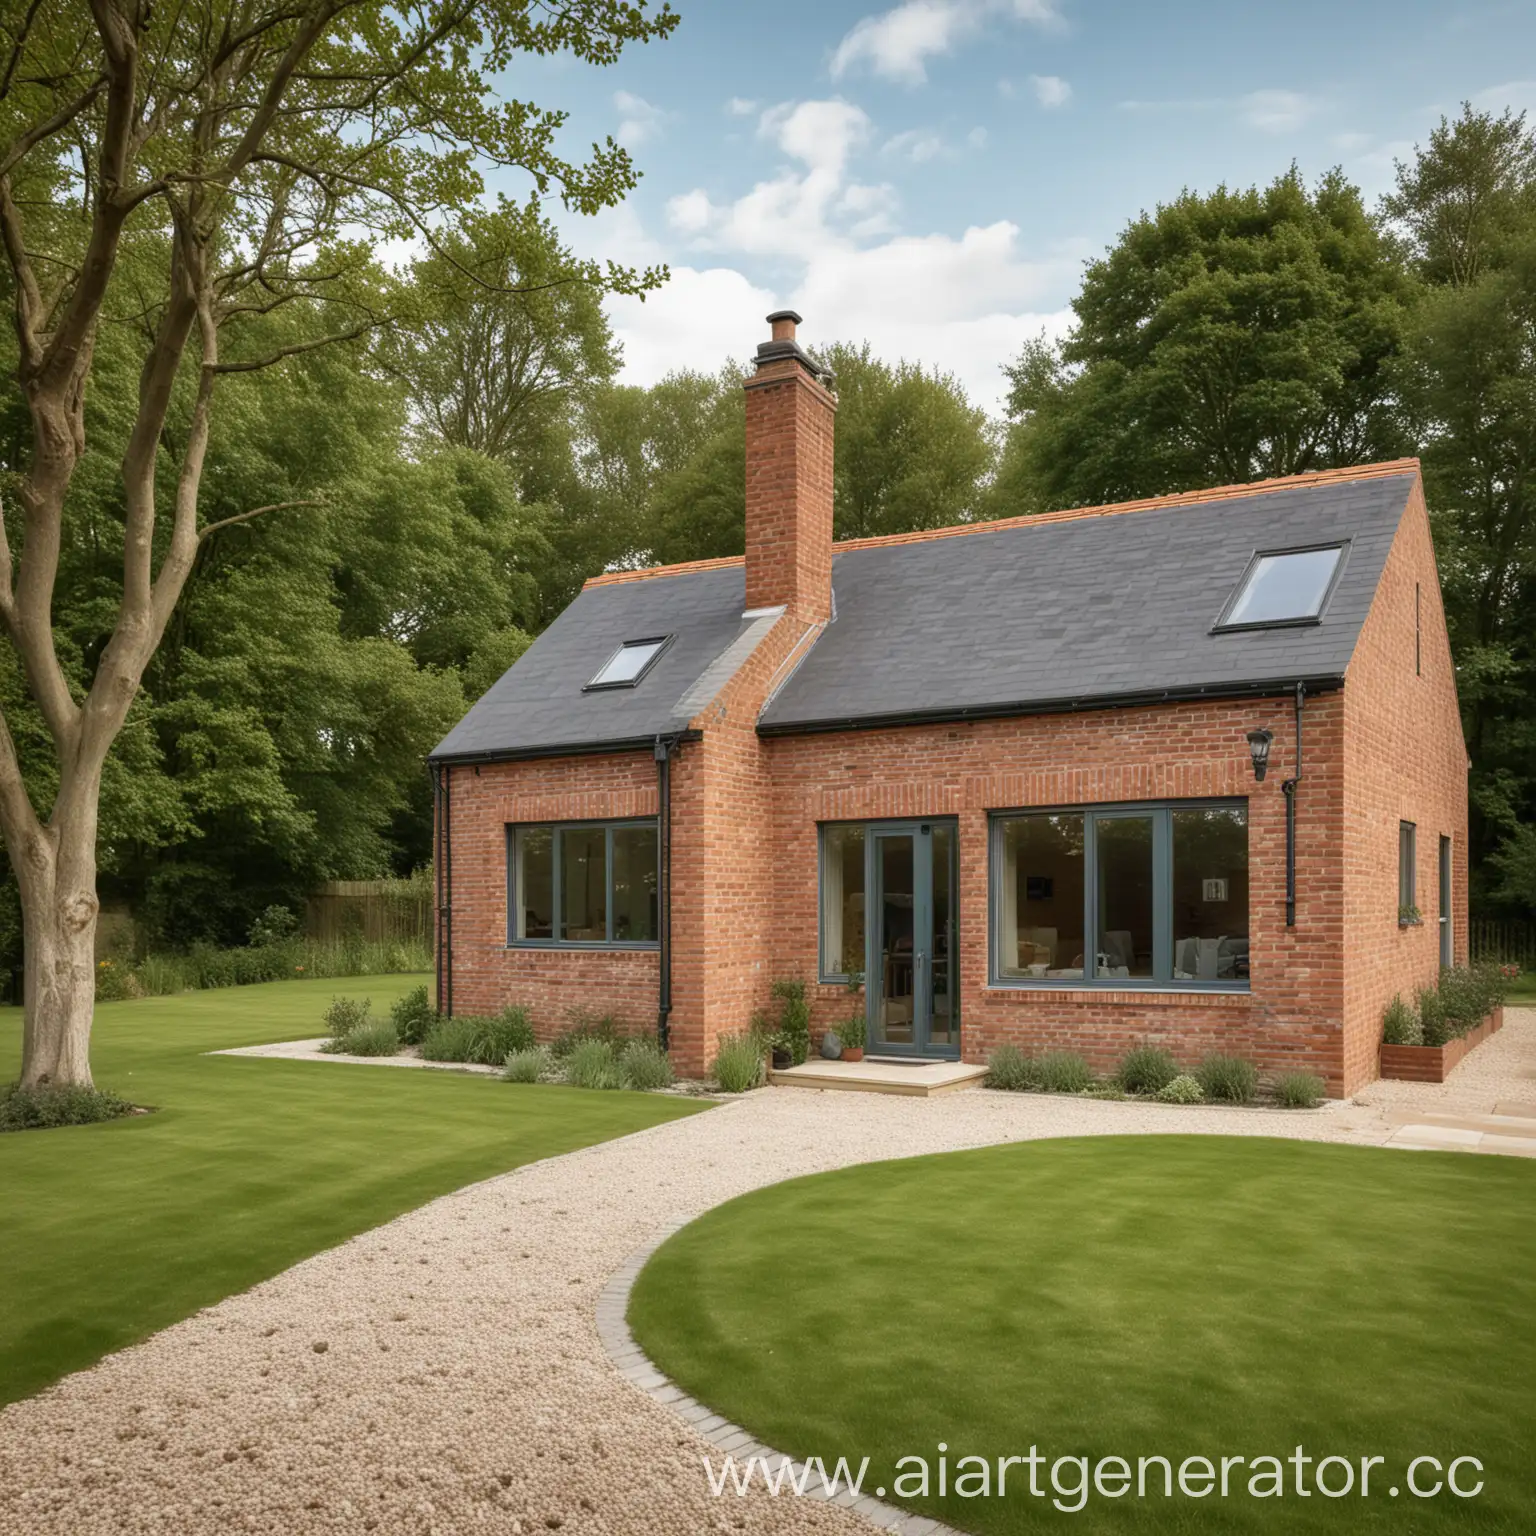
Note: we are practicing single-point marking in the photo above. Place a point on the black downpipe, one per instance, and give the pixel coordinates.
(441, 775)
(665, 747)
(1289, 789)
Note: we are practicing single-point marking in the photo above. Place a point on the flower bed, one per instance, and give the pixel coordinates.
(1434, 1063)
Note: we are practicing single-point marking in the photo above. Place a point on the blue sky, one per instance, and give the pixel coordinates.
(931, 175)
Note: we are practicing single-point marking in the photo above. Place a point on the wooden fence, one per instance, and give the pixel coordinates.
(1510, 943)
(390, 910)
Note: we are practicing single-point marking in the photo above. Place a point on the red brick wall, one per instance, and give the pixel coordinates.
(487, 975)
(1291, 1017)
(789, 491)
(1405, 760)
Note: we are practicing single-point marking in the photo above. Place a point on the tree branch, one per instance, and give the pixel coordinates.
(245, 517)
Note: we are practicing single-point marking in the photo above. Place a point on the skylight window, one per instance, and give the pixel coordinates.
(629, 663)
(1283, 586)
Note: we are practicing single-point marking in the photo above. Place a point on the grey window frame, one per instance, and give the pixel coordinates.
(1445, 879)
(1222, 627)
(555, 828)
(1162, 979)
(1407, 869)
(661, 642)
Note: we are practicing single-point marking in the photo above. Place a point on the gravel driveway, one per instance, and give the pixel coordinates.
(444, 1374)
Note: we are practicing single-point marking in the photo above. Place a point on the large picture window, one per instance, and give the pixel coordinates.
(583, 883)
(1133, 896)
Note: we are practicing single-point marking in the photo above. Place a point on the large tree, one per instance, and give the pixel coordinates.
(1466, 204)
(194, 170)
(1224, 337)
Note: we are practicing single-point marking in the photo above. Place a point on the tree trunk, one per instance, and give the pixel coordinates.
(57, 878)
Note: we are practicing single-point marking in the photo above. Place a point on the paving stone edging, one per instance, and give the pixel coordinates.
(638, 1369)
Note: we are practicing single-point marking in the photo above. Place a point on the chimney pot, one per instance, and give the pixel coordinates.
(784, 322)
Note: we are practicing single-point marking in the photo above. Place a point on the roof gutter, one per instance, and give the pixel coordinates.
(560, 749)
(953, 714)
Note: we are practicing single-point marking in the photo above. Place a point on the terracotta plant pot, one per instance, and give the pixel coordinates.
(853, 1053)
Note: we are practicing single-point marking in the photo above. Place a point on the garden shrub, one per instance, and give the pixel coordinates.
(1063, 1072)
(646, 1066)
(1434, 1025)
(526, 1066)
(41, 1109)
(1299, 1090)
(589, 1026)
(275, 924)
(346, 1015)
(115, 982)
(373, 1037)
(738, 1064)
(498, 1035)
(1146, 1069)
(794, 1027)
(593, 1064)
(1184, 1089)
(413, 1016)
(1011, 1070)
(1227, 1078)
(451, 1039)
(1400, 1024)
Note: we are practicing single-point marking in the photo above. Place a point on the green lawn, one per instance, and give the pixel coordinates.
(1523, 993)
(108, 1232)
(1132, 1297)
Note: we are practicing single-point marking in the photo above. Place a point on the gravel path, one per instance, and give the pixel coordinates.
(443, 1373)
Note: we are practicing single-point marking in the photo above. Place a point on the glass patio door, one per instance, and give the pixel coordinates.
(910, 980)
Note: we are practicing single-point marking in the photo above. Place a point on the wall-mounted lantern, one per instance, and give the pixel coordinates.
(1258, 749)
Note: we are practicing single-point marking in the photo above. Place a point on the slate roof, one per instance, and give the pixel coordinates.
(1036, 616)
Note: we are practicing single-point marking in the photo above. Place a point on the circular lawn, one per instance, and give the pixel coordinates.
(1103, 1302)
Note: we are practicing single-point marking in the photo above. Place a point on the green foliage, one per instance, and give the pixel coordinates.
(274, 925)
(454, 1039)
(413, 1016)
(1146, 1069)
(371, 1037)
(1010, 1069)
(593, 1063)
(852, 1032)
(345, 1015)
(646, 1066)
(528, 1066)
(115, 982)
(1468, 994)
(206, 965)
(1400, 1024)
(1299, 1090)
(738, 1063)
(1183, 1089)
(586, 1025)
(1225, 337)
(43, 1108)
(1435, 1026)
(794, 1026)
(483, 1040)
(1063, 1072)
(1230, 1079)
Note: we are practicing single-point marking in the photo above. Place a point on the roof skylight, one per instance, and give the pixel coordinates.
(1283, 586)
(629, 663)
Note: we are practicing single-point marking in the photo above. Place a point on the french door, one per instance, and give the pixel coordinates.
(911, 986)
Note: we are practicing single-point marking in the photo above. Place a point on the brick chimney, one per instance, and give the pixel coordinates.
(790, 409)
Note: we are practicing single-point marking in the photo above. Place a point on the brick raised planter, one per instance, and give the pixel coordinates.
(1433, 1063)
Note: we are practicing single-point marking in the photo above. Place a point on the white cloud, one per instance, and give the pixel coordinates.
(1050, 90)
(898, 43)
(919, 145)
(740, 106)
(977, 138)
(639, 120)
(822, 134)
(697, 320)
(690, 212)
(1277, 111)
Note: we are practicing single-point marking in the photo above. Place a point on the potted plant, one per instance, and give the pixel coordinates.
(851, 1032)
(783, 1052)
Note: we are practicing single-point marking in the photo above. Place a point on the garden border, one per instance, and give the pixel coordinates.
(1435, 1063)
(640, 1371)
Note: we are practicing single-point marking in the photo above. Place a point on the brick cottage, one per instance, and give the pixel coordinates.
(1187, 771)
